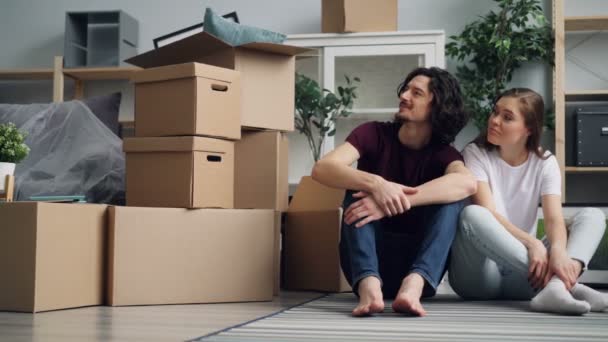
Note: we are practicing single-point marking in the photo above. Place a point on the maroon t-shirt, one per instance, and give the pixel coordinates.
(382, 153)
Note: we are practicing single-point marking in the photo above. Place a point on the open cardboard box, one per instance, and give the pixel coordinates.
(180, 256)
(267, 74)
(312, 236)
(51, 255)
(340, 16)
(180, 172)
(188, 99)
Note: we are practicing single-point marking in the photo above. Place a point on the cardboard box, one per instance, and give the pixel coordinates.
(51, 255)
(267, 74)
(312, 236)
(277, 253)
(260, 175)
(180, 172)
(181, 256)
(339, 16)
(188, 99)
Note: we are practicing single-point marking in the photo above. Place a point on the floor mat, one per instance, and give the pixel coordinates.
(448, 319)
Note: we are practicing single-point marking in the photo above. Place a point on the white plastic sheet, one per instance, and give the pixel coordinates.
(72, 153)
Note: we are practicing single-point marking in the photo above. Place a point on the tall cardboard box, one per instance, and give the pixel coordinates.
(260, 175)
(277, 253)
(267, 74)
(340, 16)
(51, 255)
(188, 99)
(180, 172)
(180, 256)
(312, 236)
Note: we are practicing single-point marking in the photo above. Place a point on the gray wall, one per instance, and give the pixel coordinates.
(31, 32)
(27, 45)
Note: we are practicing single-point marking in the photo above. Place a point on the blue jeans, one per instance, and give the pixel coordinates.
(372, 250)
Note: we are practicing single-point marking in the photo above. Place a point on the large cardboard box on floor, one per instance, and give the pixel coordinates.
(188, 99)
(180, 172)
(267, 74)
(180, 256)
(312, 235)
(260, 175)
(339, 16)
(51, 255)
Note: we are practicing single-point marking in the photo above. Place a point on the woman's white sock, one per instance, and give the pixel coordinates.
(598, 300)
(557, 299)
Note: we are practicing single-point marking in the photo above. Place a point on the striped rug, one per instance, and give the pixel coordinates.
(448, 319)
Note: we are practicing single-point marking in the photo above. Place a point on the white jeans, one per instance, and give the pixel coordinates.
(488, 262)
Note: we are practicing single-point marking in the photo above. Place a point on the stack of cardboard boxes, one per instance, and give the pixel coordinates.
(206, 184)
(209, 134)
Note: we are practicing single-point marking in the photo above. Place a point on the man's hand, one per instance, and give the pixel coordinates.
(391, 197)
(538, 263)
(366, 209)
(563, 267)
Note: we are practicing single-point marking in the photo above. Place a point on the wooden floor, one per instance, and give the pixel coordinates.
(152, 323)
(139, 323)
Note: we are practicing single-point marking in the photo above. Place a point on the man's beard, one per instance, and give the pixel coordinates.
(400, 119)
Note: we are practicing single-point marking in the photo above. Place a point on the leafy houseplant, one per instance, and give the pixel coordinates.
(493, 47)
(12, 150)
(318, 109)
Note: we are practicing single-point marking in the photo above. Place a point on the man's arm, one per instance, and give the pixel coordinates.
(335, 170)
(457, 183)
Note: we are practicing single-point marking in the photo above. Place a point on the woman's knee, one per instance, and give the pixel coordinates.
(593, 214)
(473, 215)
(593, 217)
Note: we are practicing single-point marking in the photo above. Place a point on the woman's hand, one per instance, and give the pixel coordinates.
(391, 197)
(538, 263)
(566, 269)
(365, 209)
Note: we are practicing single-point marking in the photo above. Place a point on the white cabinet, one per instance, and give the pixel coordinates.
(381, 60)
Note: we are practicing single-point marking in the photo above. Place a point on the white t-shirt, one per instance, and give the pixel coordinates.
(516, 190)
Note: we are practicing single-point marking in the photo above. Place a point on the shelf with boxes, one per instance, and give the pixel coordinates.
(581, 115)
(58, 74)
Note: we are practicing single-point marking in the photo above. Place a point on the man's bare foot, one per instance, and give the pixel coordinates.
(370, 297)
(408, 297)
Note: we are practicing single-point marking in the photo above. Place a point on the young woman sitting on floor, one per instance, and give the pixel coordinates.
(496, 254)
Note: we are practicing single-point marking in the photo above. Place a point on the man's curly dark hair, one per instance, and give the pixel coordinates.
(448, 115)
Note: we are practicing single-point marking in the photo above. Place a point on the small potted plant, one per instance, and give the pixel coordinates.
(318, 109)
(12, 150)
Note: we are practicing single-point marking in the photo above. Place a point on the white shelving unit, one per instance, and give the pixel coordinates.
(380, 59)
(564, 25)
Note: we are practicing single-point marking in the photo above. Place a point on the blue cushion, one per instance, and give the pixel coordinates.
(237, 34)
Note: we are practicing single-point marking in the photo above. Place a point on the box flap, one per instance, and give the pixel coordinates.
(280, 49)
(181, 51)
(311, 195)
(191, 48)
(177, 144)
(185, 70)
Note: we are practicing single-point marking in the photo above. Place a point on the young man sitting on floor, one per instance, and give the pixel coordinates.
(403, 201)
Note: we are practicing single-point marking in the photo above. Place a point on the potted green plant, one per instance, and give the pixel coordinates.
(12, 150)
(317, 110)
(493, 47)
